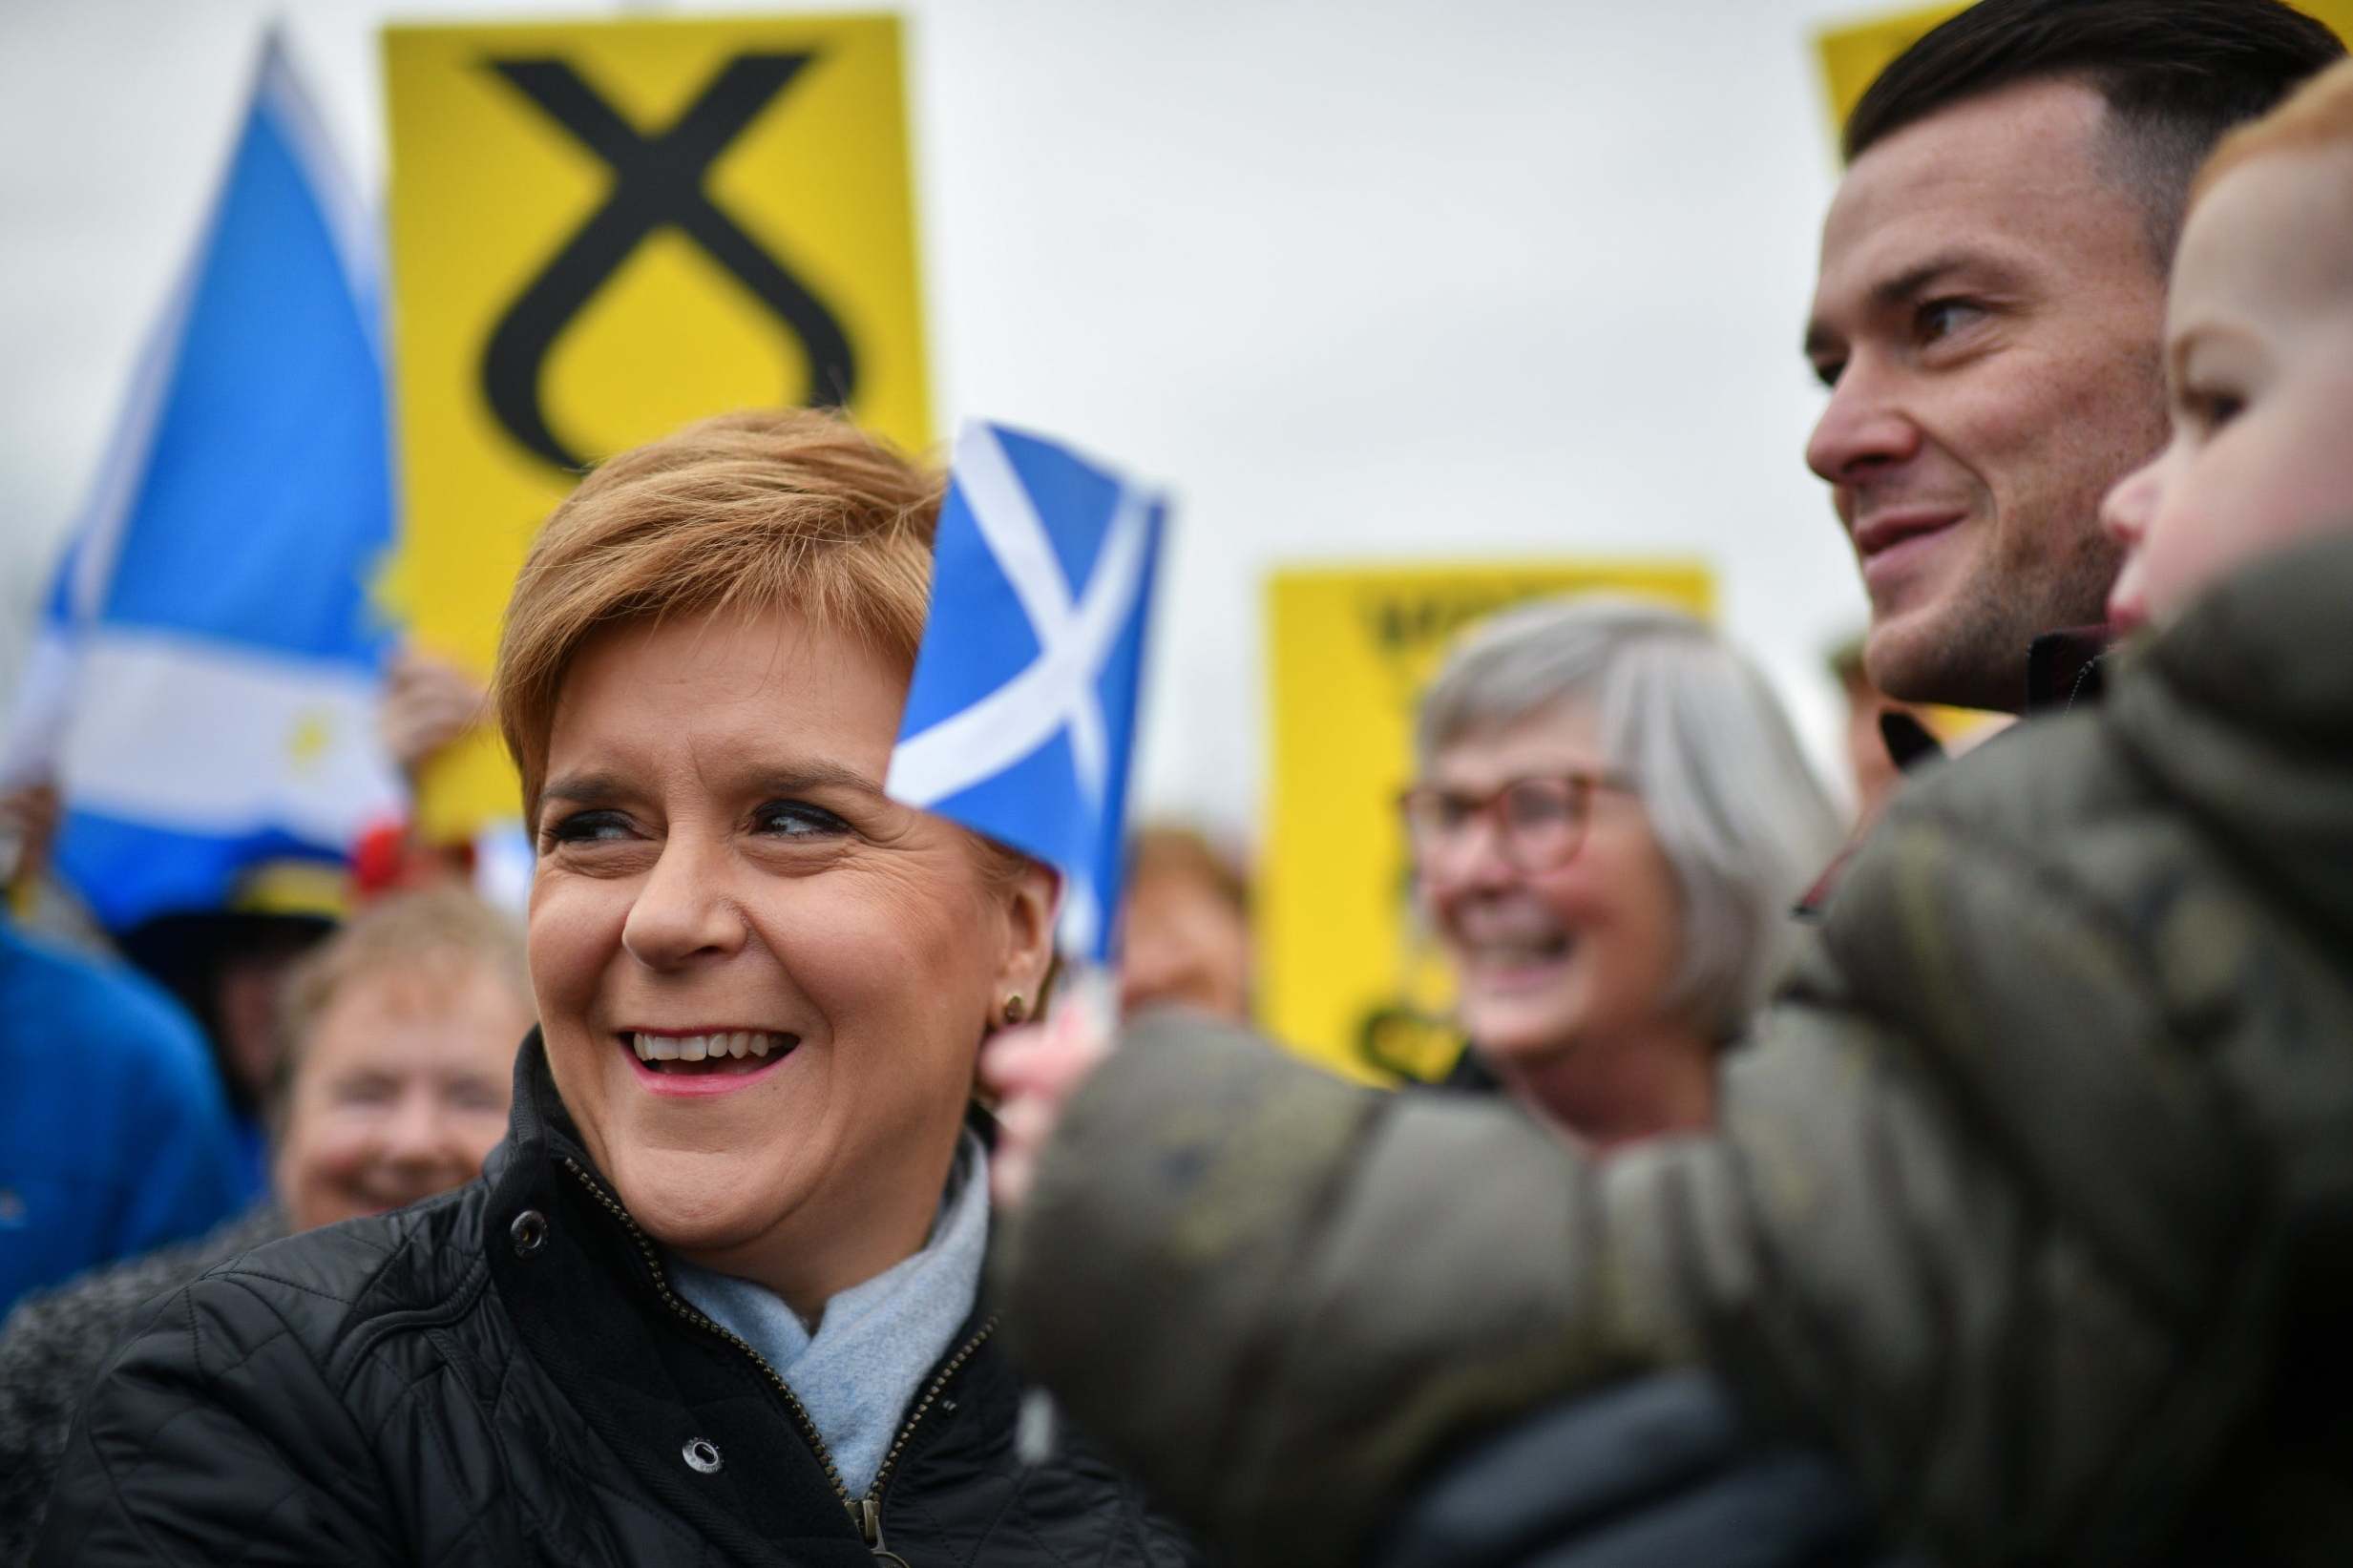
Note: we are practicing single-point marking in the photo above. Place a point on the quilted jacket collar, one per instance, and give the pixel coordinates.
(2243, 708)
(594, 1309)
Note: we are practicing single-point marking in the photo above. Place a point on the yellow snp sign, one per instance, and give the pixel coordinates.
(1852, 55)
(1347, 974)
(601, 231)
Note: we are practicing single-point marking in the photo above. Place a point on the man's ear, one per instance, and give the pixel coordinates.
(1032, 903)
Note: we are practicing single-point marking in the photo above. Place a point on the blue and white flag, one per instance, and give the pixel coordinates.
(204, 684)
(1021, 718)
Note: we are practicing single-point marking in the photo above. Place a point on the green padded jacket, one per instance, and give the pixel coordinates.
(2032, 1191)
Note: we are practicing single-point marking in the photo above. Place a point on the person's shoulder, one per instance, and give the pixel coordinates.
(2033, 781)
(2261, 653)
(331, 1288)
(103, 1301)
(54, 1342)
(2245, 699)
(115, 1110)
(110, 1016)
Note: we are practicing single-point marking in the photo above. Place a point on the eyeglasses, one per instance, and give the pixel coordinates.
(1538, 822)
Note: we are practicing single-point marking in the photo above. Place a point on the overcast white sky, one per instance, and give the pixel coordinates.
(1357, 278)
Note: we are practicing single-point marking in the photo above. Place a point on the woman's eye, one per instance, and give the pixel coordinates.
(587, 828)
(797, 820)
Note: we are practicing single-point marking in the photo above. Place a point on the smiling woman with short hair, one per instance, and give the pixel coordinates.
(716, 1299)
(762, 981)
(1613, 821)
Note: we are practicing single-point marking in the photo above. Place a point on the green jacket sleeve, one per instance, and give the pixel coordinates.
(1965, 1219)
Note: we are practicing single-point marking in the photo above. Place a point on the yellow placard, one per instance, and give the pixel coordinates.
(1347, 974)
(601, 231)
(1852, 55)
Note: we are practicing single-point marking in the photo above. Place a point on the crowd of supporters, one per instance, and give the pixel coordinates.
(1965, 1178)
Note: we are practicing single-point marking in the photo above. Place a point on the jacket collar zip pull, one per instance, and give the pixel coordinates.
(866, 1510)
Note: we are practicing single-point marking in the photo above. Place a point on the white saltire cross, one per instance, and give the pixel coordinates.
(1060, 690)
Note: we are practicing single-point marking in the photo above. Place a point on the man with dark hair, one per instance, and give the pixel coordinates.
(1989, 318)
(1989, 315)
(1990, 303)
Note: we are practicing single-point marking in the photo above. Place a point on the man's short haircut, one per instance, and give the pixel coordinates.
(2176, 75)
(1736, 812)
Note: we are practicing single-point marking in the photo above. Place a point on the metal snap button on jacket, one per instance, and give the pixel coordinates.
(702, 1455)
(528, 1232)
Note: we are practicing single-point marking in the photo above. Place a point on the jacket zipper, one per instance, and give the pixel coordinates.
(865, 1512)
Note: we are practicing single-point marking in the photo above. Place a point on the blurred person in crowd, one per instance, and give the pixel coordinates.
(227, 968)
(43, 906)
(1610, 822)
(717, 1298)
(1184, 926)
(429, 705)
(1886, 739)
(432, 705)
(2032, 1187)
(1988, 311)
(1871, 758)
(115, 1136)
(27, 828)
(399, 1036)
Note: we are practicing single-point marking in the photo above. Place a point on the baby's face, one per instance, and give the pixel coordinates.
(2259, 361)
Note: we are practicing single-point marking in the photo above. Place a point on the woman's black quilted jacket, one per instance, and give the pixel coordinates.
(502, 1376)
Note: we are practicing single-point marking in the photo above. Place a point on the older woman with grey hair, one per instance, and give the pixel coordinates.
(1612, 821)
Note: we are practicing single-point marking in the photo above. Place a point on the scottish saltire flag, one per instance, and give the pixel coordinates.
(205, 681)
(1021, 718)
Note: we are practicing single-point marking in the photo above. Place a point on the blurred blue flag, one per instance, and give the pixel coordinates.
(1021, 718)
(204, 683)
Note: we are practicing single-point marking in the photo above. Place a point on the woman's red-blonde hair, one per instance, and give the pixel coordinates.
(743, 512)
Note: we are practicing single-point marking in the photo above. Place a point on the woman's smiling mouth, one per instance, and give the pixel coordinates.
(709, 1060)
